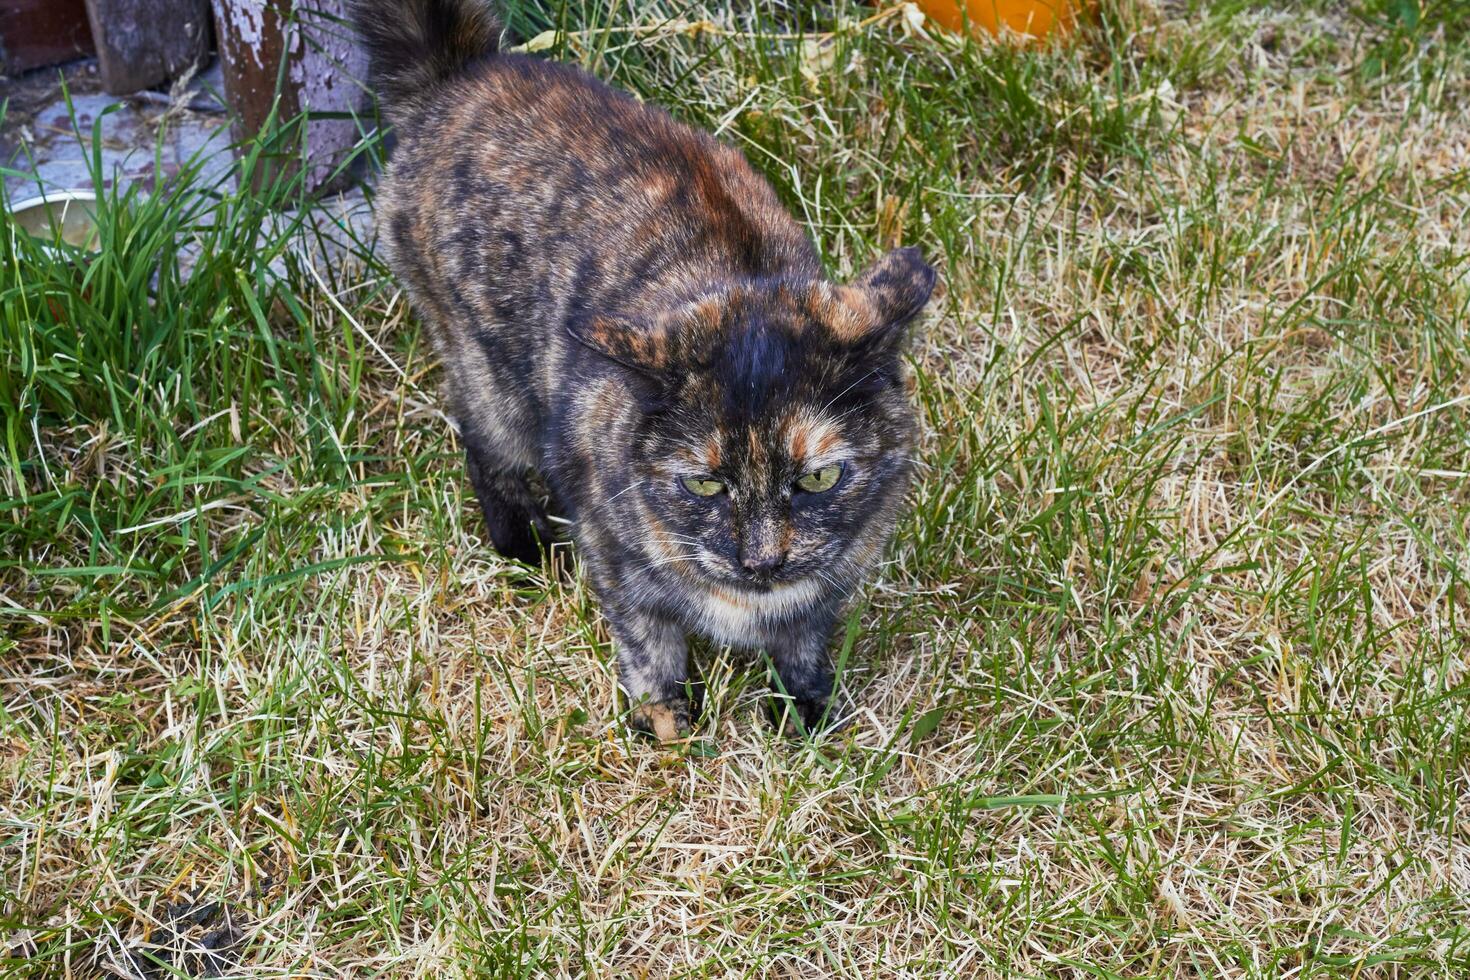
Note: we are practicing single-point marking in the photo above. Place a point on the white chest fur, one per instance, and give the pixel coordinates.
(742, 618)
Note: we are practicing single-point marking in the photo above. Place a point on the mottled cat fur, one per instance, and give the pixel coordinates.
(621, 304)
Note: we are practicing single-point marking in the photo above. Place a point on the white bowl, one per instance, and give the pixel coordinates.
(70, 216)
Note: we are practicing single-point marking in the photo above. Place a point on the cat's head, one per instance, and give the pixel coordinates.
(776, 431)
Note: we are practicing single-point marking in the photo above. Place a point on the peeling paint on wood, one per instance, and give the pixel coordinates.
(309, 54)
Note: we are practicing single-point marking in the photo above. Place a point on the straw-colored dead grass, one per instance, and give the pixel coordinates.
(1168, 675)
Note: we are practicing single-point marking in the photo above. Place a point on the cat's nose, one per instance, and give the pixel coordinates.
(761, 566)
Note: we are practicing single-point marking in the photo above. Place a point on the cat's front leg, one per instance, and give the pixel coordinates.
(803, 686)
(653, 670)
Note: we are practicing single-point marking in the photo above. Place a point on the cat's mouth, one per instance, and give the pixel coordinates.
(763, 583)
(766, 580)
(727, 573)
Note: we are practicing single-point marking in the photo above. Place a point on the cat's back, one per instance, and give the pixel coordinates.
(546, 186)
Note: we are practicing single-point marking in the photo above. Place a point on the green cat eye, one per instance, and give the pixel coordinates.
(820, 481)
(702, 486)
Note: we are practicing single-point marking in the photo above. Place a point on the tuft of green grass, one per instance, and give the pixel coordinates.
(1168, 673)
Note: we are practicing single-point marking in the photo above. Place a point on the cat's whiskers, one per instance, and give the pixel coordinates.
(608, 502)
(844, 391)
(665, 560)
(846, 590)
(674, 547)
(678, 538)
(838, 418)
(635, 483)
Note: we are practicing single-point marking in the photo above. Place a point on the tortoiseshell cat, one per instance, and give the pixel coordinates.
(622, 305)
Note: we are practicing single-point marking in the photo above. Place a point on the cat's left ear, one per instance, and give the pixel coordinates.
(875, 309)
(644, 348)
(665, 346)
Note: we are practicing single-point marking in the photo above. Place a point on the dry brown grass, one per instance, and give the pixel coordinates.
(1167, 677)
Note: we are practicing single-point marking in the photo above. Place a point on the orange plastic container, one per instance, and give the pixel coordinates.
(1034, 18)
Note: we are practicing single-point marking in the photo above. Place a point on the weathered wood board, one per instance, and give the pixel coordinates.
(141, 43)
(35, 33)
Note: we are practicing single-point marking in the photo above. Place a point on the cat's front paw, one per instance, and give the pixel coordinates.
(667, 721)
(800, 716)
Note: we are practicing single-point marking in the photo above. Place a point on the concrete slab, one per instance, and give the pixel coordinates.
(48, 146)
(135, 140)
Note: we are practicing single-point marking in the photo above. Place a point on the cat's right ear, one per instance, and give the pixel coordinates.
(874, 311)
(636, 346)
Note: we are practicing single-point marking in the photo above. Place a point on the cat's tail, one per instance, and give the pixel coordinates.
(414, 46)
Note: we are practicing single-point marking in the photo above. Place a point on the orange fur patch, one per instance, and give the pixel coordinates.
(810, 437)
(847, 312)
(796, 440)
(659, 718)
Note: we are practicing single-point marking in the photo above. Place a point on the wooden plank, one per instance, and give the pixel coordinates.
(317, 59)
(251, 43)
(36, 33)
(141, 43)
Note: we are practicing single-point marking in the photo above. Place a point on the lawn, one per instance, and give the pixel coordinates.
(1168, 674)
